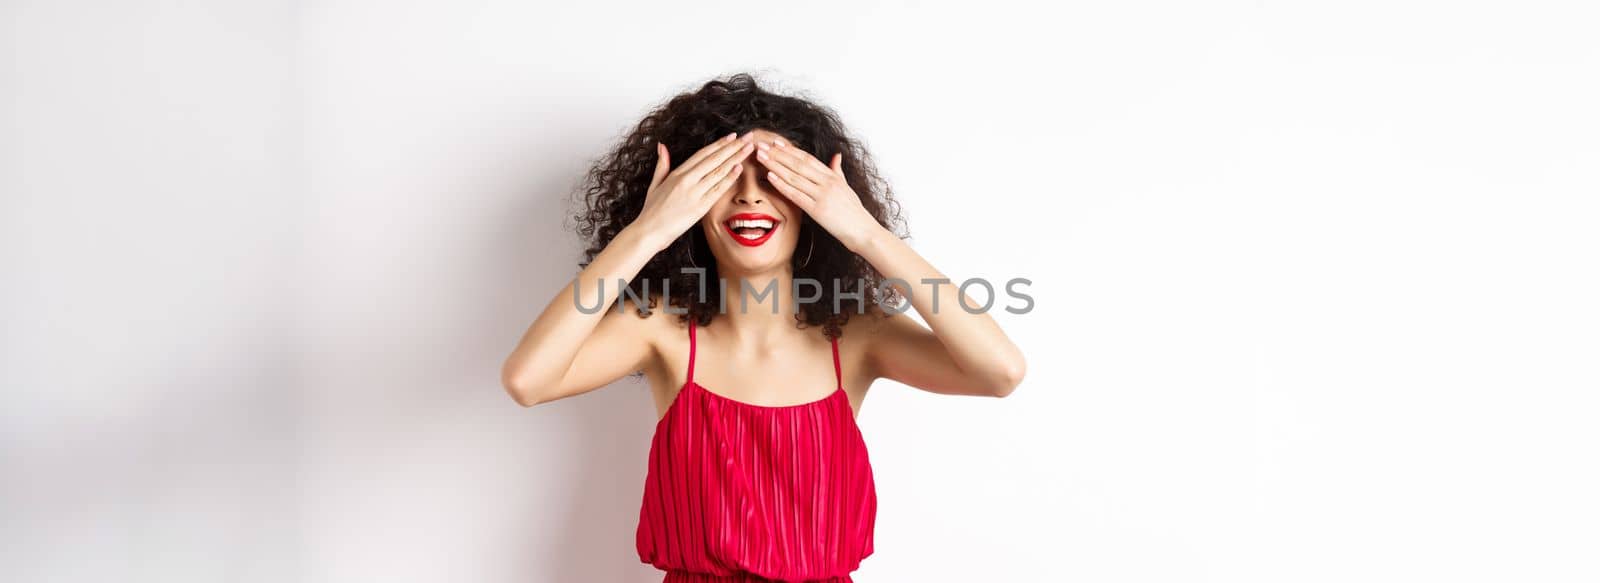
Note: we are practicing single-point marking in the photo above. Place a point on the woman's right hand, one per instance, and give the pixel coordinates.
(679, 198)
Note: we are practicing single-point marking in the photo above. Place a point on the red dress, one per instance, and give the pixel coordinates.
(738, 492)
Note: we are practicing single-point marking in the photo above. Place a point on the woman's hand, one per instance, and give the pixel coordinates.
(819, 190)
(679, 198)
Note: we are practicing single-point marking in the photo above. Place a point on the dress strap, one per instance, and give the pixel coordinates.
(691, 350)
(838, 374)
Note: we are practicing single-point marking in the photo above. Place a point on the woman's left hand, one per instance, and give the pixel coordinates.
(819, 190)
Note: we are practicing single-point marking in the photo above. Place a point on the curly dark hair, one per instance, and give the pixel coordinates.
(613, 194)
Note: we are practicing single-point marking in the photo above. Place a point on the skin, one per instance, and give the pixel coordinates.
(757, 356)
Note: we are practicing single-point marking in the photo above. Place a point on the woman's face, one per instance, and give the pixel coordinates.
(753, 229)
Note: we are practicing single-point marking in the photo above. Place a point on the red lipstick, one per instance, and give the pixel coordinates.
(756, 228)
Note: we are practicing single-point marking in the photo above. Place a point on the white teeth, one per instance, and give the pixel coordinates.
(751, 223)
(751, 236)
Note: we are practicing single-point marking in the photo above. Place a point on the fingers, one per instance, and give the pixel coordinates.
(784, 172)
(837, 165)
(714, 164)
(795, 163)
(799, 197)
(663, 166)
(727, 181)
(707, 150)
(804, 162)
(730, 166)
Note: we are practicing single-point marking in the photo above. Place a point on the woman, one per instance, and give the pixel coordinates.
(750, 228)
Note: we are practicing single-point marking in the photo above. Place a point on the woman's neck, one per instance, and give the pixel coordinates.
(759, 305)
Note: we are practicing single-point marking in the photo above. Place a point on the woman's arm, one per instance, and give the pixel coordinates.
(567, 352)
(964, 353)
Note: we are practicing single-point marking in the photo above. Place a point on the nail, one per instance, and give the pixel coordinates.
(731, 136)
(761, 155)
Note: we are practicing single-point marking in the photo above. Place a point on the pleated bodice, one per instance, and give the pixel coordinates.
(737, 492)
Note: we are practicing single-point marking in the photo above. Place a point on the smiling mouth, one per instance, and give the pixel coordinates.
(751, 229)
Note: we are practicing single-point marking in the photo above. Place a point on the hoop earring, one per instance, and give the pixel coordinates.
(809, 249)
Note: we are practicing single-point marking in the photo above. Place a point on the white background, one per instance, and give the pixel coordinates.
(1316, 284)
